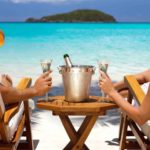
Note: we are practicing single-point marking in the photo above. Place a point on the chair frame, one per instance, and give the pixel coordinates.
(128, 128)
(24, 127)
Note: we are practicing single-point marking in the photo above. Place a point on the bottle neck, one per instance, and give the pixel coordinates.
(68, 62)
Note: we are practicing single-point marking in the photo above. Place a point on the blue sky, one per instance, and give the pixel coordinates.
(122, 10)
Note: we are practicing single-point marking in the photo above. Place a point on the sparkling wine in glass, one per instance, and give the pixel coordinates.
(103, 66)
(46, 65)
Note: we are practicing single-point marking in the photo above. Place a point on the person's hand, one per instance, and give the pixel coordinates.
(43, 84)
(6, 80)
(105, 83)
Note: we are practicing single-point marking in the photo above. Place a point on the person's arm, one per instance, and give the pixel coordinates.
(119, 86)
(124, 93)
(12, 95)
(139, 115)
(41, 86)
(142, 77)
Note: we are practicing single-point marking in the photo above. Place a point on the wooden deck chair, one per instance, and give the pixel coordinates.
(131, 135)
(15, 123)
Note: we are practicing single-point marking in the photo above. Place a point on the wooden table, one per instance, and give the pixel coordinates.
(91, 109)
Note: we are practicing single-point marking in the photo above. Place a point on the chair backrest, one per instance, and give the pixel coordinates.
(6, 115)
(134, 88)
(128, 127)
(2, 107)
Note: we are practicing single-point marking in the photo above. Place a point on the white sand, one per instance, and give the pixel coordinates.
(49, 133)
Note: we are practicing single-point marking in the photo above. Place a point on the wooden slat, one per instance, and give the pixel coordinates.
(139, 136)
(100, 113)
(73, 135)
(93, 105)
(28, 126)
(2, 109)
(24, 83)
(4, 132)
(10, 112)
(132, 144)
(20, 130)
(124, 126)
(135, 88)
(121, 126)
(86, 131)
(23, 146)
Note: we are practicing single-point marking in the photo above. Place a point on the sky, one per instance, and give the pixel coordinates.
(122, 10)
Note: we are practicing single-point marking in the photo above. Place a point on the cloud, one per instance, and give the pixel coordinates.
(38, 1)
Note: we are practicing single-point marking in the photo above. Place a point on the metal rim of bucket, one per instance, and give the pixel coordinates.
(75, 68)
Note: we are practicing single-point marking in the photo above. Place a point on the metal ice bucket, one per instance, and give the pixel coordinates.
(77, 81)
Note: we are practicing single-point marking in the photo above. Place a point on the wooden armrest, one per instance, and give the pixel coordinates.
(134, 88)
(11, 111)
(13, 108)
(24, 83)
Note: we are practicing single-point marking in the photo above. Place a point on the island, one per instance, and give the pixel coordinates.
(84, 15)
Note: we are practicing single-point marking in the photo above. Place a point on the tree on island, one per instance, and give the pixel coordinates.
(84, 15)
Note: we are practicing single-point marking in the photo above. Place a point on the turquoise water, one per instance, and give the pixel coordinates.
(125, 46)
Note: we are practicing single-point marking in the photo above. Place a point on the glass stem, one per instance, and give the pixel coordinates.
(46, 96)
(103, 94)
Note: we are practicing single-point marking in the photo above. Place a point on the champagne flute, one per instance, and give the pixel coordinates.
(103, 66)
(46, 64)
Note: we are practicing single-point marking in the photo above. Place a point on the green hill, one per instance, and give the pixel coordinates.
(85, 15)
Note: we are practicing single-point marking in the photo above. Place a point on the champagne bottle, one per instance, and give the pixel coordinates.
(67, 60)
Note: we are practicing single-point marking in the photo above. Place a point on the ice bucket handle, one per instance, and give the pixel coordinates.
(92, 70)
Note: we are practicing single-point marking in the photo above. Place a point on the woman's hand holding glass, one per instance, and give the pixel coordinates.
(43, 84)
(46, 65)
(106, 84)
(103, 66)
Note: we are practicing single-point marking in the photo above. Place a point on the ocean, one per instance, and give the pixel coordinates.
(125, 46)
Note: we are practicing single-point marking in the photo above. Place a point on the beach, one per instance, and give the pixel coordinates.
(124, 46)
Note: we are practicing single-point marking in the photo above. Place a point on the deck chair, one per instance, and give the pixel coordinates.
(15, 123)
(131, 135)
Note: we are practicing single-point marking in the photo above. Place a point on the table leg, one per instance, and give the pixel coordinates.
(78, 137)
(85, 132)
(71, 132)
(78, 134)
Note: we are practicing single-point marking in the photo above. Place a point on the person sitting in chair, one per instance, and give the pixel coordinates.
(115, 91)
(10, 94)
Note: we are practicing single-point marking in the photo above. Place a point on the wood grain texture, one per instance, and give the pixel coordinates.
(10, 112)
(91, 106)
(129, 126)
(134, 88)
(24, 83)
(91, 109)
(6, 143)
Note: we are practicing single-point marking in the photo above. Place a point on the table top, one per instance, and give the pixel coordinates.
(94, 105)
